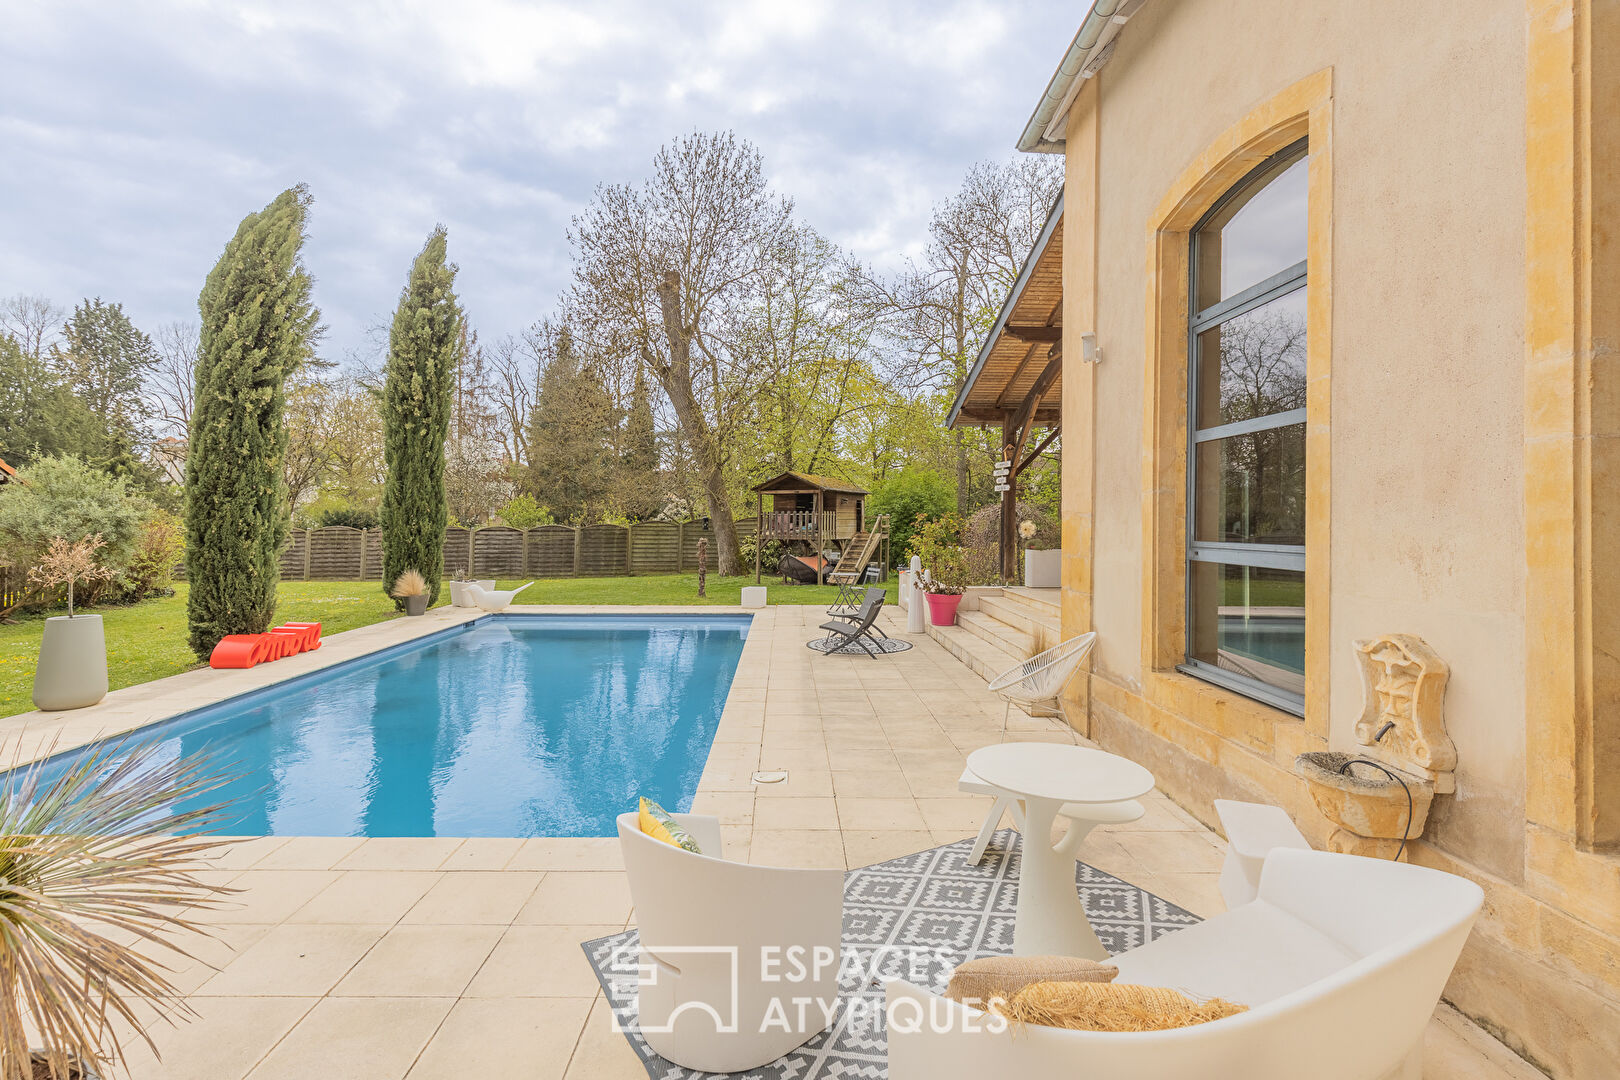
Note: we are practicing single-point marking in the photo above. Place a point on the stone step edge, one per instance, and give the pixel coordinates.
(997, 632)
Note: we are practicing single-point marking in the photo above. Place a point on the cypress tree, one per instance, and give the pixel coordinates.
(422, 353)
(641, 454)
(258, 325)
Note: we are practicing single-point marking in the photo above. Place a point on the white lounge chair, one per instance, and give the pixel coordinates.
(492, 599)
(720, 941)
(1253, 831)
(1341, 960)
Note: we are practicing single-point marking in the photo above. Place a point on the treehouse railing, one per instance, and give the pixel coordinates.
(798, 524)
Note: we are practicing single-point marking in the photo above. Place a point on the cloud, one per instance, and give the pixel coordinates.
(138, 135)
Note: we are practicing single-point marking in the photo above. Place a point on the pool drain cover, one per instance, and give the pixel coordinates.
(773, 777)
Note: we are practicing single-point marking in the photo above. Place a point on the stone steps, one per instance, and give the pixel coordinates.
(983, 657)
(1007, 636)
(1035, 619)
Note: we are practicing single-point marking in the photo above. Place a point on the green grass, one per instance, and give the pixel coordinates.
(147, 641)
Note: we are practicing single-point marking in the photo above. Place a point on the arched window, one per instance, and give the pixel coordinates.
(1246, 461)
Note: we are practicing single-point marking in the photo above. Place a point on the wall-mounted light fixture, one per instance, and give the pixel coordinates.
(1090, 351)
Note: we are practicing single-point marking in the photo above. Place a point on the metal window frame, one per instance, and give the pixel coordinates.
(1260, 556)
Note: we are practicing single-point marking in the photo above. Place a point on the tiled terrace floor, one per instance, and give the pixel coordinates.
(441, 958)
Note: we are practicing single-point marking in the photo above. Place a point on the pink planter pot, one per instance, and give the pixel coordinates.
(942, 608)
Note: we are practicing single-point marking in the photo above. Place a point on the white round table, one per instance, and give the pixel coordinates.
(1051, 920)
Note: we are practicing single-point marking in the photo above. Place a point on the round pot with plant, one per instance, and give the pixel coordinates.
(938, 542)
(72, 671)
(99, 890)
(411, 589)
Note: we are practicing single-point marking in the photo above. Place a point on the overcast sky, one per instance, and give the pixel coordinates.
(136, 135)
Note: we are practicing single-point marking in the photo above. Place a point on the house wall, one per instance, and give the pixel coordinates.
(1422, 493)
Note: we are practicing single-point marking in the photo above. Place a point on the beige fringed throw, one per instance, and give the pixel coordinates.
(1101, 1006)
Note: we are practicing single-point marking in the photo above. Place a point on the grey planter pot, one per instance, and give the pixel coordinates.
(72, 672)
(416, 605)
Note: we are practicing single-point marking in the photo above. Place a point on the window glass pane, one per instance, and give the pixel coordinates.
(1250, 621)
(1259, 232)
(1251, 488)
(1253, 364)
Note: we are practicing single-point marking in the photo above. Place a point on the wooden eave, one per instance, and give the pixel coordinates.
(1026, 336)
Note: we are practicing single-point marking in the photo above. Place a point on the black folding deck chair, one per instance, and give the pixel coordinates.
(859, 629)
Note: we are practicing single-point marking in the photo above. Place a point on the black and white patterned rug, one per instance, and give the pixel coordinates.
(831, 646)
(914, 917)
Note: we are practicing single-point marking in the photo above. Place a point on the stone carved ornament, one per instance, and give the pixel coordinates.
(1404, 684)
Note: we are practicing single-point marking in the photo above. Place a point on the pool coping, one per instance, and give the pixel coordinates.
(28, 737)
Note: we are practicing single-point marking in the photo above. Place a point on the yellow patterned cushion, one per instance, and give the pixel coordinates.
(656, 823)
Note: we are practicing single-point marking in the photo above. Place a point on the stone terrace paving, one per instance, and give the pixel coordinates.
(382, 959)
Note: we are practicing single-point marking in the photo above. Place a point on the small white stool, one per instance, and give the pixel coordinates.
(1252, 831)
(1081, 817)
(753, 596)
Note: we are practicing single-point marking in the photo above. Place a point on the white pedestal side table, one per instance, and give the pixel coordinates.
(1051, 920)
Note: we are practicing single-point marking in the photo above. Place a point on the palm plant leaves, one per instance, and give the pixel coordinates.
(100, 854)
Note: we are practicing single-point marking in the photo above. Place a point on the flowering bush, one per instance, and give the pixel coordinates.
(938, 543)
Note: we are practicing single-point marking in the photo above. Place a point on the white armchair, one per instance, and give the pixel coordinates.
(727, 948)
(1341, 960)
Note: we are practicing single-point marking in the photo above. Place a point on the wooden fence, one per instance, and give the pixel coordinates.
(338, 553)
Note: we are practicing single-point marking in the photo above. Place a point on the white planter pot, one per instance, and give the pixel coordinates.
(458, 592)
(72, 672)
(1043, 568)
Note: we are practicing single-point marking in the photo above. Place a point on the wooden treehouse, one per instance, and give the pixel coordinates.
(818, 516)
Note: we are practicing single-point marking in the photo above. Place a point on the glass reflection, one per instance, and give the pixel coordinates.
(1251, 487)
(1259, 232)
(1251, 621)
(1253, 364)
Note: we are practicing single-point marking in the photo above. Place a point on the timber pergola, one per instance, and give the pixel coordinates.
(1016, 382)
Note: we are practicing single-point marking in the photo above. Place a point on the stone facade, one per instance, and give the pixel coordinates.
(1463, 443)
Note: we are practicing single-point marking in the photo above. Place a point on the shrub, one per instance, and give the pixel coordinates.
(938, 542)
(352, 517)
(769, 558)
(906, 497)
(981, 538)
(524, 512)
(158, 548)
(68, 498)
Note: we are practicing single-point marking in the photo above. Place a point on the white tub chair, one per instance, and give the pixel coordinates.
(1341, 960)
(727, 948)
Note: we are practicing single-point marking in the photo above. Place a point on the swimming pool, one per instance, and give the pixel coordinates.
(514, 725)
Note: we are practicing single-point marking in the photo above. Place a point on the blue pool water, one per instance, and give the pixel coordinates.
(516, 725)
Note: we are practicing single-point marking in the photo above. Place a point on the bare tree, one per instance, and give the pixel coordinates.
(669, 271)
(513, 369)
(172, 380)
(939, 309)
(33, 322)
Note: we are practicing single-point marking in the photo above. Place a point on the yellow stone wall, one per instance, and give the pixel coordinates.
(1464, 436)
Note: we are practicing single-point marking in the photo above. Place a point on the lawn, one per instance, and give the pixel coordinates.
(147, 641)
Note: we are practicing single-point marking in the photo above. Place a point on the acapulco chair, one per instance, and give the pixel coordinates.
(1040, 679)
